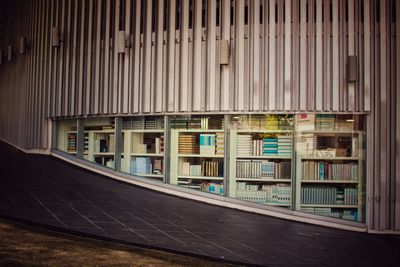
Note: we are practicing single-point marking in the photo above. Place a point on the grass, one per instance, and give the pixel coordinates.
(29, 246)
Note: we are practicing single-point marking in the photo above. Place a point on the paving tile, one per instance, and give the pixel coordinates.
(49, 191)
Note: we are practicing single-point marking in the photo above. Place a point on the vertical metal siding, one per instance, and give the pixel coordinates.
(397, 139)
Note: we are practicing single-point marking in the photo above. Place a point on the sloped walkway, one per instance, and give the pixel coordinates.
(47, 191)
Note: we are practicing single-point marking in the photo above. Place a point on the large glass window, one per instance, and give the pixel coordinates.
(143, 146)
(313, 163)
(67, 136)
(100, 141)
(197, 153)
(330, 174)
(261, 158)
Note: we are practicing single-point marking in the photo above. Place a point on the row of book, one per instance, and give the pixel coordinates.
(205, 168)
(347, 214)
(146, 165)
(263, 169)
(204, 144)
(323, 170)
(263, 122)
(329, 195)
(207, 144)
(274, 194)
(71, 142)
(202, 122)
(210, 187)
(281, 145)
(325, 122)
(188, 144)
(151, 123)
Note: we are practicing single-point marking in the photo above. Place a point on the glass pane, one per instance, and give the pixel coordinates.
(330, 169)
(143, 146)
(67, 136)
(197, 153)
(100, 141)
(261, 158)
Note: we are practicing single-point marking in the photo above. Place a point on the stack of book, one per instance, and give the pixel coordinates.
(248, 169)
(207, 144)
(132, 124)
(126, 124)
(137, 124)
(212, 168)
(348, 214)
(351, 215)
(206, 168)
(284, 145)
(283, 170)
(306, 122)
(179, 123)
(270, 146)
(189, 169)
(350, 196)
(86, 142)
(344, 123)
(150, 124)
(188, 144)
(273, 194)
(263, 169)
(194, 123)
(322, 195)
(257, 147)
(220, 144)
(211, 187)
(71, 142)
(141, 165)
(325, 122)
(323, 170)
(244, 145)
(329, 212)
(216, 188)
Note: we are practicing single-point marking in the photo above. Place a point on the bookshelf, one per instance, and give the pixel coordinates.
(70, 142)
(101, 146)
(144, 147)
(261, 159)
(67, 138)
(197, 153)
(329, 166)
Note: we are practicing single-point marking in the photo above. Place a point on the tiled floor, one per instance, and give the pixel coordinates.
(45, 190)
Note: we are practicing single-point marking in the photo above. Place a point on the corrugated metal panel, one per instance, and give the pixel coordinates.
(397, 171)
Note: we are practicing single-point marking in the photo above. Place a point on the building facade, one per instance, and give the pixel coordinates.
(90, 67)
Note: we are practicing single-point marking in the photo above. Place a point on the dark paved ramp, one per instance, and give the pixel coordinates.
(48, 191)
